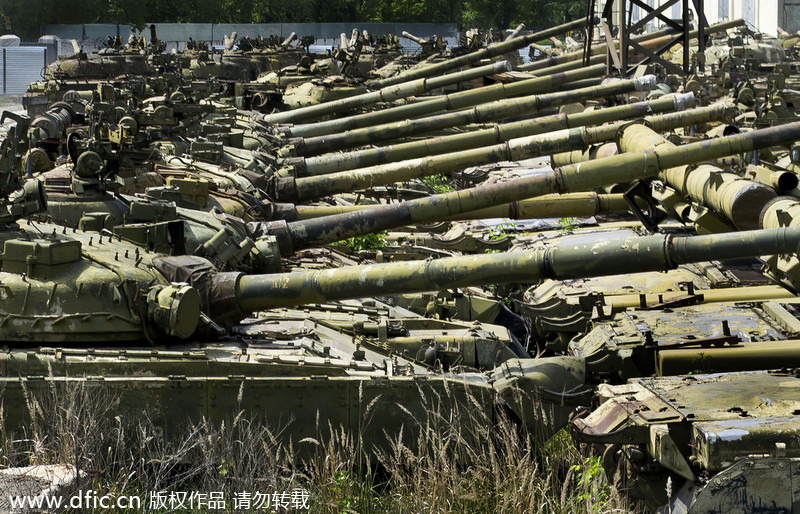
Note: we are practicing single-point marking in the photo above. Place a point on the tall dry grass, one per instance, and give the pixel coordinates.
(485, 464)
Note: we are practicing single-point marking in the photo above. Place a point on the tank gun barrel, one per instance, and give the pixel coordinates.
(782, 181)
(548, 206)
(515, 149)
(487, 112)
(571, 65)
(450, 102)
(584, 176)
(516, 32)
(418, 40)
(341, 161)
(386, 94)
(288, 40)
(639, 254)
(489, 52)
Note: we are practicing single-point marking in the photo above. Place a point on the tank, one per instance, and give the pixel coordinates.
(687, 443)
(428, 47)
(104, 65)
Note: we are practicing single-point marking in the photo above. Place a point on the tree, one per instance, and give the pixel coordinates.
(483, 14)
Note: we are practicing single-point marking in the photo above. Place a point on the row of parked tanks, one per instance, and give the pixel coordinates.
(613, 255)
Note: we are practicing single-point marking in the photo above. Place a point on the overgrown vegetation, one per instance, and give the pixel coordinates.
(438, 183)
(462, 462)
(375, 241)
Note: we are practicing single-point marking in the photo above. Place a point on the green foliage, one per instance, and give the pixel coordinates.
(589, 486)
(438, 184)
(26, 20)
(701, 362)
(224, 467)
(375, 241)
(503, 230)
(343, 484)
(568, 223)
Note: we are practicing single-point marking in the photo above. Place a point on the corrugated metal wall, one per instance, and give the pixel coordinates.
(214, 32)
(20, 66)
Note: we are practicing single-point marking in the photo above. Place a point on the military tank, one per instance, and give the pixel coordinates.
(179, 313)
(216, 336)
(740, 449)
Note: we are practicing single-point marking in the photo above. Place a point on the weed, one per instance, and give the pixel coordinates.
(702, 363)
(567, 223)
(503, 230)
(438, 184)
(591, 487)
(376, 241)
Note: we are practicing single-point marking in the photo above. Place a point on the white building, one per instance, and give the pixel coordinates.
(761, 15)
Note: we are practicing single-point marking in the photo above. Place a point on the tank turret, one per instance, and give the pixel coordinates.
(705, 435)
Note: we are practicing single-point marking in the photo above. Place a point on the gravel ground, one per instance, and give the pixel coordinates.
(13, 104)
